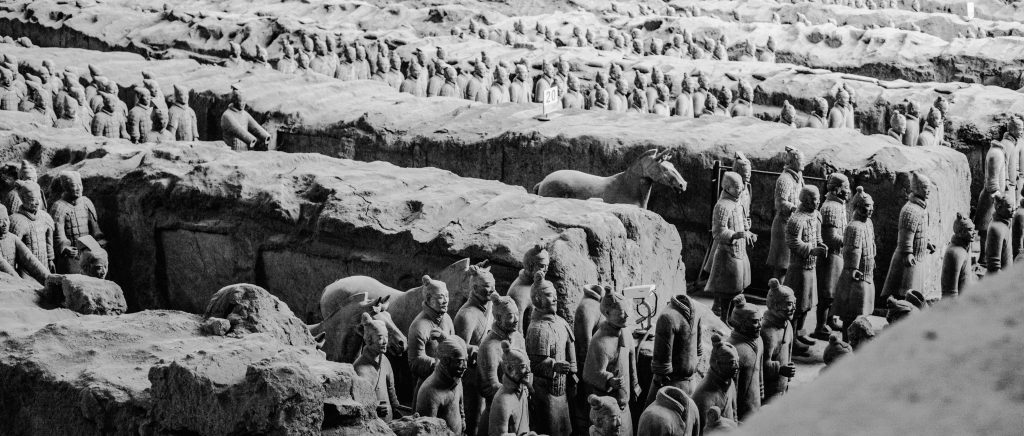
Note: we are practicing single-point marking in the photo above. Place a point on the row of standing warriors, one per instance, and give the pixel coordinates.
(35, 243)
(547, 377)
(828, 257)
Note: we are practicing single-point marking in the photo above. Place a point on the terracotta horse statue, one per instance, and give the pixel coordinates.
(342, 338)
(343, 301)
(632, 186)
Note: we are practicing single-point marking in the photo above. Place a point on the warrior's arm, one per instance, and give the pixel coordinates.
(464, 328)
(720, 226)
(133, 127)
(420, 363)
(426, 406)
(28, 262)
(49, 244)
(770, 366)
(195, 124)
(6, 267)
(94, 225)
(392, 393)
(122, 128)
(907, 229)
(852, 249)
(498, 420)
(173, 119)
(634, 379)
(487, 366)
(784, 191)
(991, 176)
(595, 372)
(60, 239)
(794, 239)
(664, 336)
(994, 249)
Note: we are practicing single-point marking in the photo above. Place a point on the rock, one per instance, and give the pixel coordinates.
(152, 372)
(972, 344)
(274, 396)
(420, 426)
(216, 326)
(251, 309)
(92, 296)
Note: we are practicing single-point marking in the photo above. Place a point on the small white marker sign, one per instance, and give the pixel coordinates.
(550, 102)
(970, 10)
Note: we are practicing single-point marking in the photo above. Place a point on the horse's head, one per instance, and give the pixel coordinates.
(481, 281)
(656, 166)
(378, 310)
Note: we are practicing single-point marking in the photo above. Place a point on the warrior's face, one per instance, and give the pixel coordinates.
(866, 210)
(842, 191)
(796, 161)
(545, 300)
(455, 366)
(923, 190)
(539, 264)
(617, 315)
(507, 321)
(438, 301)
(31, 199)
(784, 307)
(73, 187)
(728, 367)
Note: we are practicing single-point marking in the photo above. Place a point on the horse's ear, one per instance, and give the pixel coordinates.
(482, 264)
(385, 299)
(652, 152)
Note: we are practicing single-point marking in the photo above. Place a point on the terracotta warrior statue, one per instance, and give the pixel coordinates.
(32, 225)
(619, 102)
(374, 366)
(238, 129)
(505, 328)
(182, 122)
(17, 258)
(140, 118)
(745, 321)
(509, 411)
(788, 114)
(107, 122)
(854, 293)
(684, 101)
(931, 133)
(672, 413)
(995, 181)
(818, 118)
(422, 347)
(471, 324)
(519, 90)
(572, 98)
(998, 252)
(803, 237)
(957, 271)
(717, 390)
(586, 320)
(744, 106)
(676, 347)
(1017, 230)
(837, 117)
(74, 216)
(605, 416)
(787, 196)
(535, 260)
(913, 130)
(777, 335)
(611, 360)
(500, 87)
(287, 62)
(911, 244)
(729, 273)
(10, 95)
(440, 395)
(549, 343)
(411, 84)
(833, 227)
(898, 127)
(1015, 170)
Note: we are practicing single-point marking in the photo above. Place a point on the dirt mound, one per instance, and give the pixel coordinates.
(251, 309)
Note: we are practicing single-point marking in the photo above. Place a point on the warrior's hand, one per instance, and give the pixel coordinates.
(70, 252)
(910, 260)
(787, 370)
(615, 384)
(857, 275)
(820, 250)
(562, 367)
(52, 266)
(930, 247)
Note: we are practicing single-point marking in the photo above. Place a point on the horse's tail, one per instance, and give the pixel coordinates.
(536, 189)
